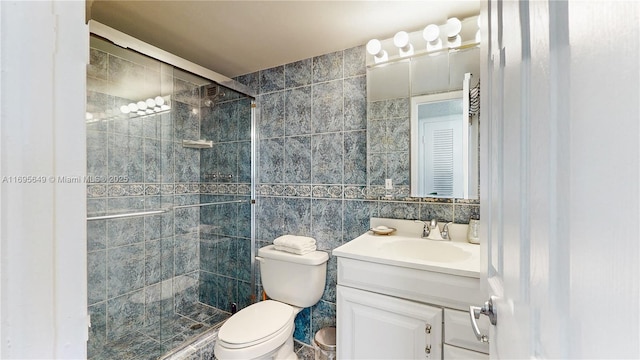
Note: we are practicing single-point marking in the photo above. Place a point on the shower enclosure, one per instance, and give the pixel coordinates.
(169, 223)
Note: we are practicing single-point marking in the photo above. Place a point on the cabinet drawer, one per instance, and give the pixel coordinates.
(428, 287)
(454, 353)
(458, 332)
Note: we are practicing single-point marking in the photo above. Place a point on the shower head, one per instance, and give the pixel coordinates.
(213, 94)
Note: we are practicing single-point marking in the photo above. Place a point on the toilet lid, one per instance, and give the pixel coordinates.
(255, 322)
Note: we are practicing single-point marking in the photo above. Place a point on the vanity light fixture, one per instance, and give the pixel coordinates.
(401, 41)
(438, 37)
(453, 27)
(431, 34)
(374, 47)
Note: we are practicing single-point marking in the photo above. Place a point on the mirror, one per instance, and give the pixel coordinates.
(442, 143)
(414, 99)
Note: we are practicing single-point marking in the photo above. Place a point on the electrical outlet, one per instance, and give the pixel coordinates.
(388, 184)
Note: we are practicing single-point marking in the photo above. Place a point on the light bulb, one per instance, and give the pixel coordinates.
(133, 107)
(142, 105)
(454, 25)
(431, 33)
(401, 40)
(374, 47)
(159, 100)
(150, 103)
(125, 109)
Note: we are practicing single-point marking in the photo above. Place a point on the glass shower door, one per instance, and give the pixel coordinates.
(169, 179)
(129, 200)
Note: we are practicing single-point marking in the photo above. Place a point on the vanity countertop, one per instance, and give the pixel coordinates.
(405, 249)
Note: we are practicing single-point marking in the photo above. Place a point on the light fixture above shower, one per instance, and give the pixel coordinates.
(146, 107)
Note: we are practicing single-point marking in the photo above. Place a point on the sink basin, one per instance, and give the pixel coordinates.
(426, 250)
(409, 251)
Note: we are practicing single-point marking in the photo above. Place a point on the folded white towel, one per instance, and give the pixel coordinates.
(295, 241)
(295, 250)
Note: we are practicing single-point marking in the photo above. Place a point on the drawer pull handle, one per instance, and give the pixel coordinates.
(427, 329)
(428, 349)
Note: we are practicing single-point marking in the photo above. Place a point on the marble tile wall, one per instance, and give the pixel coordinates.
(225, 236)
(389, 134)
(312, 168)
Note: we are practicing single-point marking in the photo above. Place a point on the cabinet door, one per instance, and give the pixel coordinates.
(374, 326)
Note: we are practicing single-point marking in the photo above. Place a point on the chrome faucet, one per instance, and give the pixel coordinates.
(426, 230)
(445, 232)
(431, 226)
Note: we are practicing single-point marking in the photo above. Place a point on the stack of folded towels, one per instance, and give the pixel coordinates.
(295, 244)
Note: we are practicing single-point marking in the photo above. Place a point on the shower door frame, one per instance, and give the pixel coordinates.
(129, 42)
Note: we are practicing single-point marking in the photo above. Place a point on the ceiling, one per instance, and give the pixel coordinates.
(239, 37)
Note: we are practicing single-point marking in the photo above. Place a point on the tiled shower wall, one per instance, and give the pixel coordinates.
(144, 269)
(225, 236)
(312, 172)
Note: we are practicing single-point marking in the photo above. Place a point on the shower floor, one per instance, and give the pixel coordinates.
(153, 341)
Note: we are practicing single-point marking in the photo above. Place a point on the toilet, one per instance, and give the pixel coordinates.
(264, 330)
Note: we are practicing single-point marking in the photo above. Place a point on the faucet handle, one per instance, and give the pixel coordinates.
(445, 231)
(425, 228)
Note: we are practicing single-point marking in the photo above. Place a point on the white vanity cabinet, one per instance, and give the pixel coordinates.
(375, 326)
(387, 312)
(396, 304)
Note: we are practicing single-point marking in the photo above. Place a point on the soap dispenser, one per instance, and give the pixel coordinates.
(472, 231)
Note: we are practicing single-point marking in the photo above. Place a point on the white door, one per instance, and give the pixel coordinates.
(560, 171)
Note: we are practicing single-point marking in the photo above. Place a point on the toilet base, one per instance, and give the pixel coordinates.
(283, 352)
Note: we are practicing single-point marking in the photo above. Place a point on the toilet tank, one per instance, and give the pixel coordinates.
(294, 279)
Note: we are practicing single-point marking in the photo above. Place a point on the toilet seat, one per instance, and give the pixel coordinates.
(257, 324)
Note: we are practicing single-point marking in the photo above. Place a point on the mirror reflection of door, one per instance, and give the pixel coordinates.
(440, 148)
